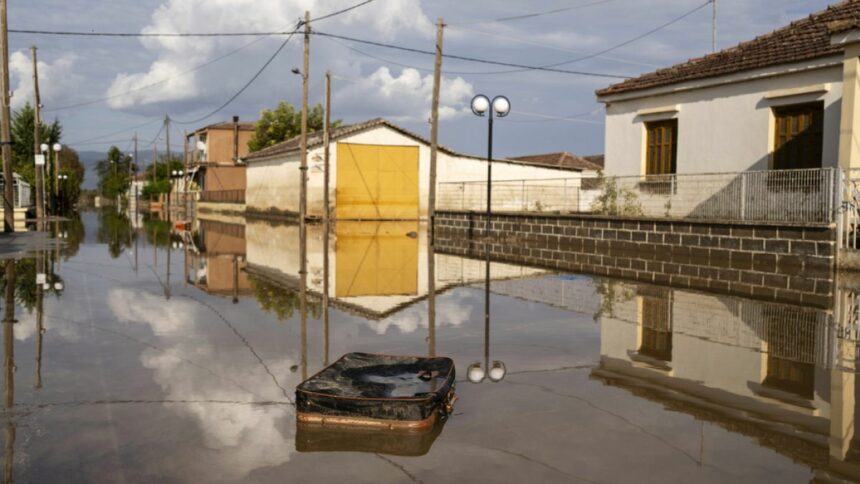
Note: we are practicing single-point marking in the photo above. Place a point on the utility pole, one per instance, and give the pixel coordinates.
(136, 193)
(714, 27)
(326, 212)
(37, 143)
(431, 206)
(185, 174)
(154, 163)
(5, 120)
(167, 163)
(303, 167)
(303, 203)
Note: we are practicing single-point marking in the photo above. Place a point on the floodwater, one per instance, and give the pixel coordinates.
(172, 356)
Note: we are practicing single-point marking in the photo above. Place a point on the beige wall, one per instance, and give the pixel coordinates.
(274, 183)
(722, 128)
(219, 144)
(224, 178)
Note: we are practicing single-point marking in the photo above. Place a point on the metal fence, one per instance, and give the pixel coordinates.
(223, 196)
(757, 196)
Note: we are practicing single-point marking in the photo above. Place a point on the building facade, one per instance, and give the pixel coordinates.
(380, 171)
(774, 103)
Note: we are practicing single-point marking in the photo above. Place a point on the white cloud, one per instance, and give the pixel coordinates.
(406, 97)
(383, 19)
(450, 311)
(56, 78)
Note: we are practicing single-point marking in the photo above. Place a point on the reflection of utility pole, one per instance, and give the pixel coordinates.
(303, 201)
(40, 327)
(326, 212)
(8, 337)
(303, 299)
(9, 365)
(167, 278)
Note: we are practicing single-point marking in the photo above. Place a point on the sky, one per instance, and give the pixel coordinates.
(129, 84)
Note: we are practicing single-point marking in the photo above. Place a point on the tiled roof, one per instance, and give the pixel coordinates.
(596, 159)
(804, 39)
(560, 160)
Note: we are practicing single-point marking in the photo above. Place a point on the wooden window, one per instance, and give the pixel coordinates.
(662, 147)
(798, 137)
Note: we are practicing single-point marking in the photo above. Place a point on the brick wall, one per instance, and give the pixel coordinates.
(784, 263)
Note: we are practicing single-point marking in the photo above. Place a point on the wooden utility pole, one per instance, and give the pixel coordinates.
(326, 213)
(37, 144)
(303, 167)
(431, 205)
(5, 120)
(136, 193)
(303, 202)
(185, 174)
(154, 163)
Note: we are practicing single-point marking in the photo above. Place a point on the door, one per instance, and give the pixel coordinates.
(376, 182)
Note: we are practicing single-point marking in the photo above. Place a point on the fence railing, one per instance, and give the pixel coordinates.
(223, 196)
(807, 195)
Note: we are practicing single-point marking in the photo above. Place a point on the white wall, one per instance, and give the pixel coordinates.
(275, 183)
(723, 128)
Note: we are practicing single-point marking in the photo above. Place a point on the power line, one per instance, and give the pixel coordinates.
(609, 49)
(347, 9)
(181, 34)
(536, 14)
(114, 133)
(247, 84)
(157, 83)
(469, 59)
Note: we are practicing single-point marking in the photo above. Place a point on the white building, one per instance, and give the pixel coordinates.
(779, 101)
(380, 171)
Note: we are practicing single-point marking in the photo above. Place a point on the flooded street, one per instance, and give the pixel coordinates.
(173, 357)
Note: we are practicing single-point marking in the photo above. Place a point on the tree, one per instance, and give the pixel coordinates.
(23, 149)
(113, 173)
(153, 189)
(285, 122)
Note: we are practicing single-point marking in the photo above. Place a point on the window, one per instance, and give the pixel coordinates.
(660, 157)
(662, 147)
(798, 137)
(657, 327)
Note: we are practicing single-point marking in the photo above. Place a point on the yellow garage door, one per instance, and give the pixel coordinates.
(377, 182)
(376, 259)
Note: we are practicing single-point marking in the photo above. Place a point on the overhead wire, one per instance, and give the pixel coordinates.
(113, 133)
(468, 58)
(244, 87)
(537, 14)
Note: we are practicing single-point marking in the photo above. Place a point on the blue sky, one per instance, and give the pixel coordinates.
(368, 81)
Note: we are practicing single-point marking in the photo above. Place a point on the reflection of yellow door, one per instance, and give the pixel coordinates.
(377, 182)
(376, 259)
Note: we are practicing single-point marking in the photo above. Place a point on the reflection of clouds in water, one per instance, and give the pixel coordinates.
(56, 326)
(244, 437)
(452, 310)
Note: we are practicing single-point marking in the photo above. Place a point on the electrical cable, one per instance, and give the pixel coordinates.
(536, 14)
(246, 86)
(470, 59)
(87, 140)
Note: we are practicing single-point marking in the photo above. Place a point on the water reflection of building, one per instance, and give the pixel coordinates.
(217, 259)
(778, 373)
(376, 268)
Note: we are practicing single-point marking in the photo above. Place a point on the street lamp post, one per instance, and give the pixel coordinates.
(500, 107)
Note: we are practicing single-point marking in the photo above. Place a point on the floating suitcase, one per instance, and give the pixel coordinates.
(378, 391)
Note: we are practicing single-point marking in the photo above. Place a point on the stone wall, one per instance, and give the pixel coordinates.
(778, 262)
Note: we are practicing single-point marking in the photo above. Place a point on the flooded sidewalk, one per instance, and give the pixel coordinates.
(149, 354)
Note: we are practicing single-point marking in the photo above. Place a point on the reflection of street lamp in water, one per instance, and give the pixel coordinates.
(476, 371)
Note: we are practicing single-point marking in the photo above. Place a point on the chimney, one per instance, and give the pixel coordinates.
(235, 139)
